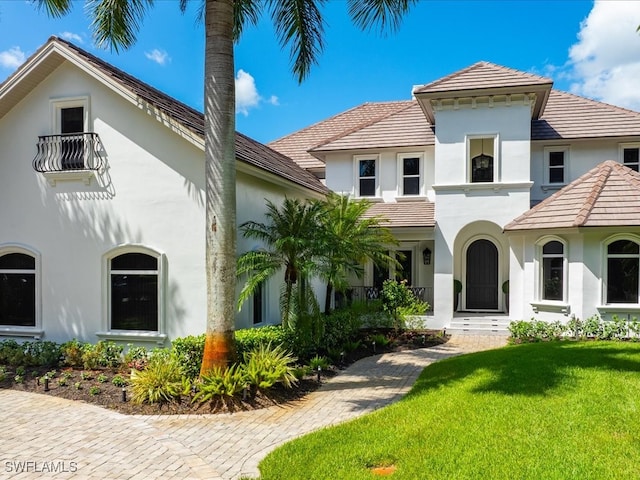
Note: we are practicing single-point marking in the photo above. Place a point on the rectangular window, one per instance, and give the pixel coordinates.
(631, 157)
(367, 178)
(258, 311)
(17, 290)
(481, 153)
(556, 167)
(623, 261)
(134, 292)
(553, 270)
(411, 176)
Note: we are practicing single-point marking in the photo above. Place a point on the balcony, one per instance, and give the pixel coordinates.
(368, 293)
(70, 156)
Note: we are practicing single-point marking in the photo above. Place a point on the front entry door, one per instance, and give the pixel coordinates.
(482, 276)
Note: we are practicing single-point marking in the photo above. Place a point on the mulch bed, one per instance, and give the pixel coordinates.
(96, 387)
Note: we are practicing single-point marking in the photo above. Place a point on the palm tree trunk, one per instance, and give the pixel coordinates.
(220, 177)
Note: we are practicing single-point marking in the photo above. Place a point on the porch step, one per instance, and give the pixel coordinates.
(479, 326)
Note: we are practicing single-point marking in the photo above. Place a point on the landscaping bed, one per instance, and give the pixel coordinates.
(104, 386)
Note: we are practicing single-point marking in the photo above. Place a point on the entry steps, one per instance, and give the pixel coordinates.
(479, 325)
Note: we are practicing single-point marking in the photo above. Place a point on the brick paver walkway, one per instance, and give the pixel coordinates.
(48, 437)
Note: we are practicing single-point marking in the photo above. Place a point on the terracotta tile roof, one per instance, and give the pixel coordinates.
(483, 75)
(570, 116)
(297, 144)
(607, 195)
(404, 214)
(406, 127)
(247, 150)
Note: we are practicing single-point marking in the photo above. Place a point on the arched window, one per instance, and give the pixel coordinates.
(553, 271)
(134, 292)
(622, 271)
(17, 290)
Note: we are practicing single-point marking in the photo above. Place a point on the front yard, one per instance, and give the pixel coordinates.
(552, 410)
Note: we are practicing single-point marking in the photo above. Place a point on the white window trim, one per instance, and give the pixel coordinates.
(400, 175)
(58, 104)
(133, 335)
(541, 303)
(619, 307)
(356, 174)
(547, 184)
(19, 331)
(496, 157)
(621, 149)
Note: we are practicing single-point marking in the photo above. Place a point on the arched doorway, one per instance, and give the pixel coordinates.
(482, 276)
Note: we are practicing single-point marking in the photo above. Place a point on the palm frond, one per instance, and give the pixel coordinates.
(386, 15)
(54, 8)
(245, 12)
(115, 23)
(300, 26)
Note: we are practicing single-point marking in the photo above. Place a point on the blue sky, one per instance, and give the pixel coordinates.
(588, 48)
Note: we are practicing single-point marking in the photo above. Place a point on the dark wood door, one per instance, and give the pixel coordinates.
(482, 276)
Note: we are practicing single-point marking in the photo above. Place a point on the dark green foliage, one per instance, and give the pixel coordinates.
(251, 338)
(38, 353)
(188, 352)
(398, 301)
(104, 354)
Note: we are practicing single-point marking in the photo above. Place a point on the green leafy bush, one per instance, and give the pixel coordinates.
(43, 353)
(249, 339)
(380, 340)
(12, 353)
(160, 382)
(399, 301)
(318, 361)
(340, 327)
(189, 351)
(267, 364)
(118, 381)
(136, 357)
(72, 352)
(220, 382)
(104, 354)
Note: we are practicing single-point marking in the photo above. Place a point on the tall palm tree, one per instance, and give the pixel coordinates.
(289, 235)
(299, 26)
(348, 240)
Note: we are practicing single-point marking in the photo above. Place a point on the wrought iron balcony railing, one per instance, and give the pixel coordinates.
(368, 293)
(68, 152)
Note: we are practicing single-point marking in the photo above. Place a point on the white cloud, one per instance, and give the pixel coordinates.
(247, 96)
(72, 37)
(605, 62)
(159, 56)
(12, 58)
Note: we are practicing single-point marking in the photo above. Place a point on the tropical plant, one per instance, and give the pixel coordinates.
(398, 300)
(267, 364)
(348, 238)
(299, 26)
(290, 238)
(160, 382)
(220, 382)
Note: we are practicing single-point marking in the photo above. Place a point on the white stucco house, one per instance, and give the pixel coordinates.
(492, 178)
(102, 204)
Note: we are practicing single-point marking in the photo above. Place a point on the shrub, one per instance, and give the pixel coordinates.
(136, 357)
(399, 301)
(318, 361)
(249, 339)
(189, 351)
(103, 354)
(380, 340)
(160, 382)
(220, 382)
(12, 353)
(118, 381)
(3, 374)
(340, 327)
(43, 353)
(576, 327)
(72, 352)
(267, 364)
(94, 390)
(592, 327)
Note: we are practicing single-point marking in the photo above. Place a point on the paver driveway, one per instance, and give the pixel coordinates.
(48, 437)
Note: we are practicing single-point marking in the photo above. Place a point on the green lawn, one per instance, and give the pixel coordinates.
(558, 410)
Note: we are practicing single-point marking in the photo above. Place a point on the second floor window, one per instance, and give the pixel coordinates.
(411, 176)
(556, 167)
(367, 177)
(631, 157)
(481, 159)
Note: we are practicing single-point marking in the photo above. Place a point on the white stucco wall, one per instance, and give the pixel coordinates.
(150, 194)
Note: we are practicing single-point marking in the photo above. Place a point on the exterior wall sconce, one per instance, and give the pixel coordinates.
(426, 256)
